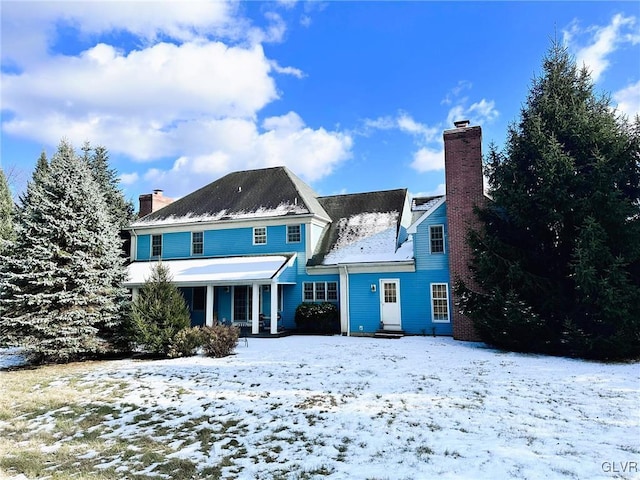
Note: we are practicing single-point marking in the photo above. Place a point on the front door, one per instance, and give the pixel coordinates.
(390, 304)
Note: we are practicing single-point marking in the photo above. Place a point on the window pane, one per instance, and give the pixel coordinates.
(308, 292)
(293, 233)
(437, 239)
(156, 245)
(320, 292)
(390, 295)
(260, 235)
(197, 243)
(332, 291)
(440, 302)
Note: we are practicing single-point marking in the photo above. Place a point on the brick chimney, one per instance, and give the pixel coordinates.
(463, 177)
(150, 202)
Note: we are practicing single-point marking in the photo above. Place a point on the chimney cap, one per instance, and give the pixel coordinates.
(461, 123)
(157, 191)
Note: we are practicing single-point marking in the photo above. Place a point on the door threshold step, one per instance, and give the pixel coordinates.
(388, 334)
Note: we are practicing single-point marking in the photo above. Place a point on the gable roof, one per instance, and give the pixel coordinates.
(266, 192)
(422, 208)
(364, 228)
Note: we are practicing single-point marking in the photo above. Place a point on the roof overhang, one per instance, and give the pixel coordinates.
(414, 227)
(215, 271)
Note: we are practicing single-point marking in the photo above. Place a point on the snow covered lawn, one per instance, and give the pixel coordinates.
(327, 407)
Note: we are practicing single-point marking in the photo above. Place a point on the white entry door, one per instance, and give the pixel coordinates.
(390, 304)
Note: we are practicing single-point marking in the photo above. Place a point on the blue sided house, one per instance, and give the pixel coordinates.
(250, 247)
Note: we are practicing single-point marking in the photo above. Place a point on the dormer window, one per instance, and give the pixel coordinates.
(260, 235)
(436, 235)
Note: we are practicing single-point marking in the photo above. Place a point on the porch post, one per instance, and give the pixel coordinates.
(208, 321)
(134, 293)
(255, 309)
(274, 308)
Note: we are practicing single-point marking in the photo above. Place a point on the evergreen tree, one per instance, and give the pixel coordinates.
(7, 210)
(158, 313)
(58, 277)
(121, 210)
(558, 260)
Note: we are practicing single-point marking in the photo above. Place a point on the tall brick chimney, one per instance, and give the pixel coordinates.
(463, 177)
(150, 202)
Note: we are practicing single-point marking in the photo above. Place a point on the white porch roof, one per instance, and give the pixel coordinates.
(222, 271)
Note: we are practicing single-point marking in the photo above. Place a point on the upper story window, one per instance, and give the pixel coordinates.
(259, 235)
(293, 234)
(197, 243)
(436, 234)
(156, 245)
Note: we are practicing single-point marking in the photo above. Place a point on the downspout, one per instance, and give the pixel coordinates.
(134, 246)
(344, 292)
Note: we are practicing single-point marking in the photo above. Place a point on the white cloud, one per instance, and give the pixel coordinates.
(628, 100)
(428, 160)
(296, 72)
(129, 178)
(238, 145)
(478, 113)
(149, 20)
(601, 42)
(439, 190)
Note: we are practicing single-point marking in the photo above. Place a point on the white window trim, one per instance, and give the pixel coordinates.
(433, 313)
(151, 255)
(444, 246)
(192, 252)
(326, 291)
(265, 235)
(299, 233)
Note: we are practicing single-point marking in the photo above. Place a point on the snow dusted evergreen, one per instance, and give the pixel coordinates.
(60, 279)
(120, 210)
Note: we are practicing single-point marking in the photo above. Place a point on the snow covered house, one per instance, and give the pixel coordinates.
(250, 247)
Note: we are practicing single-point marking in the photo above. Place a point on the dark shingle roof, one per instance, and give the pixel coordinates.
(342, 208)
(264, 192)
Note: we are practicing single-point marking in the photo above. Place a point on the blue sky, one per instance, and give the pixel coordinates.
(351, 96)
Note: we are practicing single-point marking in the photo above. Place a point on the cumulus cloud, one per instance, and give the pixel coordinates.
(188, 89)
(239, 144)
(600, 42)
(428, 159)
(628, 100)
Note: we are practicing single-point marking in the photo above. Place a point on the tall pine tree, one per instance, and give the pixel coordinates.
(558, 259)
(58, 279)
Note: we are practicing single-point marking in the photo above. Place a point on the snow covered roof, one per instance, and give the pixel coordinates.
(267, 192)
(223, 270)
(364, 229)
(419, 205)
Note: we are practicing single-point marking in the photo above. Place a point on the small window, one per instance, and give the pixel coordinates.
(390, 294)
(436, 233)
(308, 292)
(332, 291)
(260, 235)
(440, 302)
(320, 291)
(293, 234)
(197, 243)
(156, 245)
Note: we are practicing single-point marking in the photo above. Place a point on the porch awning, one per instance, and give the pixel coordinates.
(222, 271)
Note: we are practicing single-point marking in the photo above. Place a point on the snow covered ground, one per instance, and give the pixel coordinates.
(364, 408)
